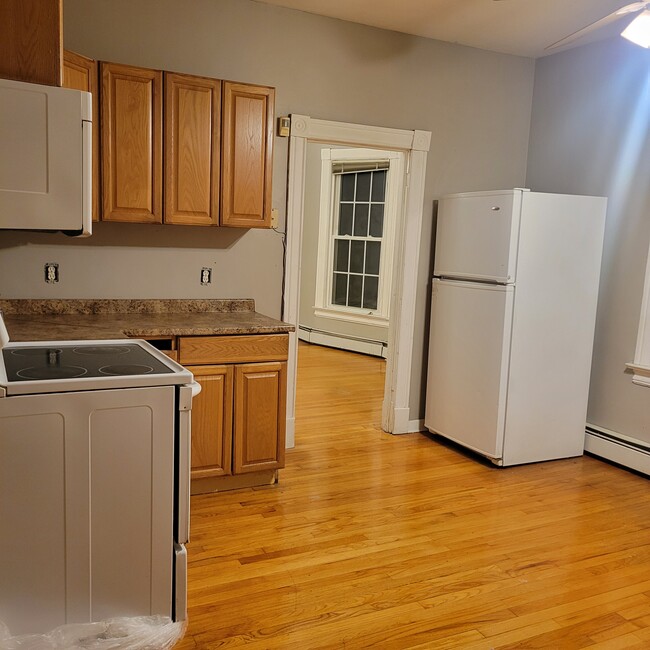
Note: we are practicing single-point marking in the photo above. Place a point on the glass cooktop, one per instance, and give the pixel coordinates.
(54, 362)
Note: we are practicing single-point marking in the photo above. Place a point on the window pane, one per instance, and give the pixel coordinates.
(378, 185)
(363, 186)
(373, 250)
(347, 187)
(341, 255)
(361, 220)
(340, 289)
(354, 296)
(370, 287)
(376, 219)
(345, 219)
(356, 256)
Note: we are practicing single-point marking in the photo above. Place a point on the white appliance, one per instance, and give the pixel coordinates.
(45, 158)
(94, 483)
(513, 311)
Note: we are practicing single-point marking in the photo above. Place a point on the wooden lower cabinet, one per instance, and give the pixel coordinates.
(260, 416)
(212, 421)
(239, 418)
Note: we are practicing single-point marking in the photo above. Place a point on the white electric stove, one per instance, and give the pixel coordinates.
(94, 482)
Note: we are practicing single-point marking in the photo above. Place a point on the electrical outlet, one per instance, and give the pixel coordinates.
(51, 272)
(206, 276)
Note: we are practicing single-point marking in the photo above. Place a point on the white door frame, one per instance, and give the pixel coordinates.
(304, 129)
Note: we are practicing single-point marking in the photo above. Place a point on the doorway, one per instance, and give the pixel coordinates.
(415, 146)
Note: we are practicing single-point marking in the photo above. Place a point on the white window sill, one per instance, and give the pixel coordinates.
(641, 374)
(351, 317)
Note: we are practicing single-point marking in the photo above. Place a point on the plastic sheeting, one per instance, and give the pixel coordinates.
(133, 633)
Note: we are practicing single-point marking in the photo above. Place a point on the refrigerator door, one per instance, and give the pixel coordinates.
(469, 353)
(477, 236)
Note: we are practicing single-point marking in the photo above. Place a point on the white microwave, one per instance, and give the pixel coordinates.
(45, 158)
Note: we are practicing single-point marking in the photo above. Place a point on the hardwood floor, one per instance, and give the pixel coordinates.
(373, 540)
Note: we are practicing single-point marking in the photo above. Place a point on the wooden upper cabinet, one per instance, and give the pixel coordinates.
(247, 155)
(81, 73)
(192, 149)
(31, 42)
(131, 143)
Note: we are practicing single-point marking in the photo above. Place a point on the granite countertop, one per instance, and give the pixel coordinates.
(67, 320)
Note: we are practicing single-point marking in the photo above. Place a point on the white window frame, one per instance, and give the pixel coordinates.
(327, 225)
(641, 365)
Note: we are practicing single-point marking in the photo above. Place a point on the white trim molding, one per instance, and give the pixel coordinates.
(415, 145)
(641, 365)
(618, 448)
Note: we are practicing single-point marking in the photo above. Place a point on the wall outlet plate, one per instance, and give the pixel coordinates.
(206, 276)
(51, 272)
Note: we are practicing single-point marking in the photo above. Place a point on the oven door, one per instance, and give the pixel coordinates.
(86, 505)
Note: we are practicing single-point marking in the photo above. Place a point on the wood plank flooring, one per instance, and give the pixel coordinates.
(379, 541)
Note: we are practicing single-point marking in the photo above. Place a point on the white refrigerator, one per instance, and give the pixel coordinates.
(513, 311)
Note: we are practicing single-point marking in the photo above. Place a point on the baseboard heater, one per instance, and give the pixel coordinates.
(342, 341)
(629, 452)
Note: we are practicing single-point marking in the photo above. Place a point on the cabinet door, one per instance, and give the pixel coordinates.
(212, 421)
(192, 149)
(80, 73)
(260, 416)
(31, 40)
(131, 143)
(247, 155)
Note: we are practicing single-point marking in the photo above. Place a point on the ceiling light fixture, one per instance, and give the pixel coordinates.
(638, 31)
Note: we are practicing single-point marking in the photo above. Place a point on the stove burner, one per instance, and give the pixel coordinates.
(51, 372)
(35, 352)
(102, 349)
(126, 369)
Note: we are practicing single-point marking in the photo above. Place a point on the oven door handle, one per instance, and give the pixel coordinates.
(187, 392)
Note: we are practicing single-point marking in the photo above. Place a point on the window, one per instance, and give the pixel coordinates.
(641, 365)
(360, 192)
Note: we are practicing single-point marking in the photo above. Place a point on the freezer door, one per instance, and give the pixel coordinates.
(477, 236)
(469, 350)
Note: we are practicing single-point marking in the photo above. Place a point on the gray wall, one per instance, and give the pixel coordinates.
(589, 135)
(477, 105)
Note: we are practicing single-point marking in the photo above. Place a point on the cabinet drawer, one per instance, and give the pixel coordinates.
(233, 349)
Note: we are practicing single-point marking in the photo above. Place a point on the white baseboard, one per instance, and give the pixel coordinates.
(374, 348)
(629, 452)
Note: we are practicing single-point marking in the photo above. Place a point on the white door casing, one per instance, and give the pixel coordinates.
(415, 144)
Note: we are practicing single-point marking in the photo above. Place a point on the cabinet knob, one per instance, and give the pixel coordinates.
(495, 208)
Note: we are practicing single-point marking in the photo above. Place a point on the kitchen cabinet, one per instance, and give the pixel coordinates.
(81, 73)
(212, 421)
(131, 143)
(192, 149)
(247, 155)
(239, 418)
(31, 41)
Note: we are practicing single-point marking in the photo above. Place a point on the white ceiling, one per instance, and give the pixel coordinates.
(523, 27)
